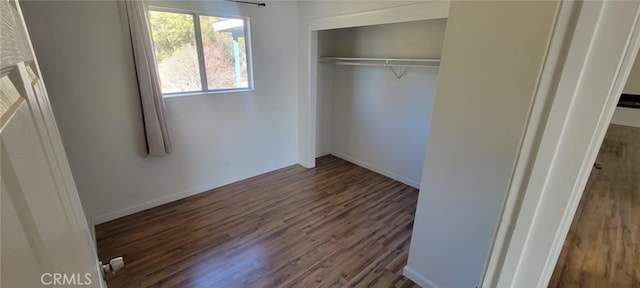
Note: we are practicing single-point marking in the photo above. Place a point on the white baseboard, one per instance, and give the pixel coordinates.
(197, 190)
(378, 170)
(627, 117)
(173, 197)
(320, 154)
(150, 204)
(417, 278)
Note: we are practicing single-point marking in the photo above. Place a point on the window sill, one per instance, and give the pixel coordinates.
(206, 93)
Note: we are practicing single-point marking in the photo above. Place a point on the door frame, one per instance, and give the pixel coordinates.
(413, 12)
(41, 105)
(53, 150)
(596, 43)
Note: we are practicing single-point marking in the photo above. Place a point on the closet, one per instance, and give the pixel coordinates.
(376, 87)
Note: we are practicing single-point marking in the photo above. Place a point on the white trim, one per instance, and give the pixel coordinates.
(554, 62)
(413, 12)
(92, 229)
(599, 60)
(175, 196)
(606, 114)
(71, 199)
(202, 66)
(404, 180)
(153, 203)
(417, 278)
(206, 93)
(309, 160)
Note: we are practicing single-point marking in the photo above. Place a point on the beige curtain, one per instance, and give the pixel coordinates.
(158, 141)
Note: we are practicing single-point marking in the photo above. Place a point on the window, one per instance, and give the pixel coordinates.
(200, 53)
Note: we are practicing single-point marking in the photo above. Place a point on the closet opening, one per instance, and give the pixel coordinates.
(375, 87)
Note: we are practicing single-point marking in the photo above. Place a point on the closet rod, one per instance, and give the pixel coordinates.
(384, 62)
(398, 66)
(384, 65)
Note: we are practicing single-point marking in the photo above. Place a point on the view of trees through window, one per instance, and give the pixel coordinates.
(176, 46)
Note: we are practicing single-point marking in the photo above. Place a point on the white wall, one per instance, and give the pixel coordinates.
(87, 64)
(487, 82)
(311, 9)
(626, 116)
(377, 120)
(415, 39)
(326, 47)
(630, 116)
(633, 82)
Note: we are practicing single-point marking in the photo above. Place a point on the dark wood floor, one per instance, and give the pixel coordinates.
(337, 225)
(602, 248)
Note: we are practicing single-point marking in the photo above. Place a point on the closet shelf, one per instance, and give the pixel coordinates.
(401, 63)
(383, 62)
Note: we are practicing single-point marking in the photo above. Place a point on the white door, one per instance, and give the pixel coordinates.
(45, 239)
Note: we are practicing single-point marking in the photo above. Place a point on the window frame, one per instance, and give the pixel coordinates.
(200, 52)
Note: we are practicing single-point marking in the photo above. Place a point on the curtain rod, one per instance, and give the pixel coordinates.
(249, 2)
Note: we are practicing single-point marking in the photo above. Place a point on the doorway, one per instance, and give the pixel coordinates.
(601, 248)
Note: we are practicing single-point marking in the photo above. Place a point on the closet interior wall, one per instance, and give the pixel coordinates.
(367, 115)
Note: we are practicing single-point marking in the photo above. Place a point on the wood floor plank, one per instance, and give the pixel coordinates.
(337, 225)
(602, 248)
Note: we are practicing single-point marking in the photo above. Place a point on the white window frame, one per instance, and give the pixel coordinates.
(200, 51)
